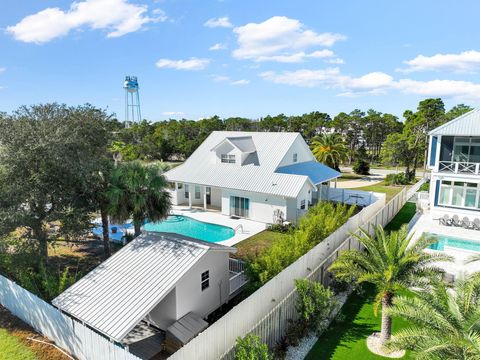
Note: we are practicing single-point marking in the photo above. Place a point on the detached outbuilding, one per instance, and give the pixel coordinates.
(156, 280)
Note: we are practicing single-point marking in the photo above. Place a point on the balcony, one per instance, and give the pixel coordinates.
(238, 279)
(459, 167)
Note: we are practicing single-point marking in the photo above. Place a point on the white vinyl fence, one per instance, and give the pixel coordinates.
(67, 333)
(267, 311)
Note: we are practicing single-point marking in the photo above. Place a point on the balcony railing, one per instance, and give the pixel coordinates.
(459, 167)
(238, 279)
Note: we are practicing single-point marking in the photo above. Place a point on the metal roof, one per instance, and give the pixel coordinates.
(465, 125)
(317, 172)
(120, 292)
(256, 176)
(243, 143)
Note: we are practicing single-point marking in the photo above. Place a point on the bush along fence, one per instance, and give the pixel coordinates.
(269, 311)
(67, 333)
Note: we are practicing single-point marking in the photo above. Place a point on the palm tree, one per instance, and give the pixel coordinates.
(390, 264)
(444, 322)
(138, 192)
(330, 150)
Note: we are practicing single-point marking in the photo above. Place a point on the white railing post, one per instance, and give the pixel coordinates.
(456, 168)
(477, 165)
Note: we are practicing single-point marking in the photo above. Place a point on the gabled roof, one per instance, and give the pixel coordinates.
(465, 125)
(120, 292)
(243, 143)
(257, 175)
(317, 172)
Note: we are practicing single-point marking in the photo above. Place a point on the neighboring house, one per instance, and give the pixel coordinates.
(454, 159)
(156, 279)
(263, 176)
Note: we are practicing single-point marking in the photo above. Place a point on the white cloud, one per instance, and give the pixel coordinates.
(117, 17)
(336, 61)
(218, 22)
(280, 39)
(173, 113)
(297, 57)
(465, 90)
(241, 82)
(467, 61)
(374, 83)
(220, 78)
(330, 77)
(2, 69)
(217, 46)
(190, 64)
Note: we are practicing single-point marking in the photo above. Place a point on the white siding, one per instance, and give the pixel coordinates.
(261, 208)
(164, 314)
(299, 147)
(190, 296)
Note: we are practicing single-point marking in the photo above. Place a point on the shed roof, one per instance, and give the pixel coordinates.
(257, 175)
(317, 172)
(120, 292)
(465, 125)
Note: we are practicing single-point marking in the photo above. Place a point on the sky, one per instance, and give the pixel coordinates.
(195, 59)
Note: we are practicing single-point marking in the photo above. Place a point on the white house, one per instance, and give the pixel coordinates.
(454, 159)
(263, 176)
(156, 279)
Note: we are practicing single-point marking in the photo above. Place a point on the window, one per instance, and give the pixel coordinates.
(179, 186)
(187, 192)
(239, 206)
(205, 280)
(295, 157)
(459, 194)
(197, 192)
(302, 204)
(228, 159)
(466, 150)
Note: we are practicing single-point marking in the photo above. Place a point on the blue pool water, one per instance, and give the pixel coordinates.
(444, 240)
(187, 226)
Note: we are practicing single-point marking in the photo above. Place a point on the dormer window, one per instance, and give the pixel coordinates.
(295, 157)
(228, 159)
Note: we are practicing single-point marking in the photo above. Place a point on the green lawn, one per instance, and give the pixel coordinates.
(346, 340)
(404, 216)
(349, 176)
(11, 348)
(254, 245)
(390, 191)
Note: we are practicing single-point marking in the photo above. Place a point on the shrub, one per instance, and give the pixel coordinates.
(396, 179)
(319, 222)
(314, 303)
(280, 228)
(361, 167)
(425, 186)
(251, 347)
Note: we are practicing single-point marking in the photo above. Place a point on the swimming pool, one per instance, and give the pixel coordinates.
(116, 231)
(187, 226)
(444, 240)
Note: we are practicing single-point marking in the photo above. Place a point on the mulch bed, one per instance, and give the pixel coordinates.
(23, 331)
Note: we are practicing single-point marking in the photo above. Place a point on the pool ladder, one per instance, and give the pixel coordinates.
(239, 226)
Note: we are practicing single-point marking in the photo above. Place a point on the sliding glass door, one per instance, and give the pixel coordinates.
(239, 206)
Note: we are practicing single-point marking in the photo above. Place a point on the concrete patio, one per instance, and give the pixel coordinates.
(244, 228)
(423, 223)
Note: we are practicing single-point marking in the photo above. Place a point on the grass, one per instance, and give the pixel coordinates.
(390, 191)
(256, 244)
(346, 340)
(13, 349)
(404, 216)
(349, 176)
(15, 343)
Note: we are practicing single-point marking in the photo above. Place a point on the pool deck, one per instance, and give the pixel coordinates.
(425, 224)
(248, 227)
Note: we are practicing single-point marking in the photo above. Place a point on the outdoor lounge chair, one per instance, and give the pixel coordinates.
(456, 221)
(476, 224)
(445, 220)
(466, 223)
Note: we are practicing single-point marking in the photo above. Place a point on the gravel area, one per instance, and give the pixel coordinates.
(374, 345)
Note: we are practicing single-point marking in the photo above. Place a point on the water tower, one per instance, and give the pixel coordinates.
(132, 101)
